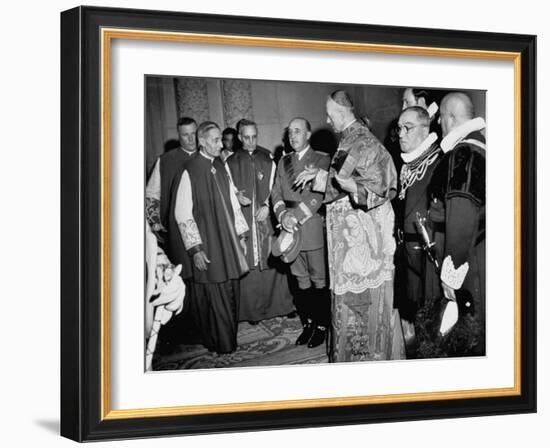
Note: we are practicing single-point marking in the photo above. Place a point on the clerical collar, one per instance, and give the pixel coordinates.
(460, 132)
(302, 152)
(187, 151)
(409, 157)
(206, 156)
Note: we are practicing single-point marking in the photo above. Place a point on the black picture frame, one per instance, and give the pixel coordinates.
(83, 407)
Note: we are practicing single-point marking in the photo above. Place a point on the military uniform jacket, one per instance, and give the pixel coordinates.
(304, 203)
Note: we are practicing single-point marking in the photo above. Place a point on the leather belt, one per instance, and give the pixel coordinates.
(404, 237)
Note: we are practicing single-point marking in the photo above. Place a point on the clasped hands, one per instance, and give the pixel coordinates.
(262, 212)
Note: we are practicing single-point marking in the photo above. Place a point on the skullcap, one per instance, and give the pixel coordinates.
(342, 98)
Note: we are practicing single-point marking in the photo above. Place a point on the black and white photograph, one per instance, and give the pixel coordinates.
(292, 223)
(275, 223)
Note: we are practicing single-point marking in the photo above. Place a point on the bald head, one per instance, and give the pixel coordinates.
(456, 109)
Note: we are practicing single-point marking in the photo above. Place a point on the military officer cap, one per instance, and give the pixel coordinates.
(287, 245)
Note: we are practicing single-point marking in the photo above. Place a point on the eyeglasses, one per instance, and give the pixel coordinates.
(406, 127)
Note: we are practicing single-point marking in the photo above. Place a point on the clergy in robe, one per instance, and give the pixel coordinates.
(213, 231)
(264, 290)
(167, 168)
(159, 200)
(358, 189)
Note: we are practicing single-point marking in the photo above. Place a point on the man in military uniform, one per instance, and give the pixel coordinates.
(458, 203)
(299, 208)
(416, 280)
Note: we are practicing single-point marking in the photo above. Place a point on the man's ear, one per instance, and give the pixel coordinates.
(308, 135)
(425, 132)
(239, 137)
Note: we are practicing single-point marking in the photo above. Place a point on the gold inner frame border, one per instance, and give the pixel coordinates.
(107, 35)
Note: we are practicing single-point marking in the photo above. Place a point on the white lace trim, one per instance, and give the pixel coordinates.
(452, 276)
(409, 157)
(460, 132)
(190, 234)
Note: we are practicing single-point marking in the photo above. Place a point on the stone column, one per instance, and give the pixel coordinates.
(237, 101)
(192, 98)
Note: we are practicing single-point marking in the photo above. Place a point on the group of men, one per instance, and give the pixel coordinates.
(242, 227)
(441, 215)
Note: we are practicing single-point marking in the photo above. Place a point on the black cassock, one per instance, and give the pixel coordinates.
(264, 290)
(210, 220)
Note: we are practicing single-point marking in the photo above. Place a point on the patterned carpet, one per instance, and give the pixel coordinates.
(270, 343)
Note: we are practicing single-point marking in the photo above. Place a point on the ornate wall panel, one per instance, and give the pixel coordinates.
(192, 98)
(237, 101)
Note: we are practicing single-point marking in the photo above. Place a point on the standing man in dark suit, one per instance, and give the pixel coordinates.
(294, 208)
(416, 281)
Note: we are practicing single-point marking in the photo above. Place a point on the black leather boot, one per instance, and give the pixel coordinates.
(320, 313)
(306, 333)
(318, 337)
